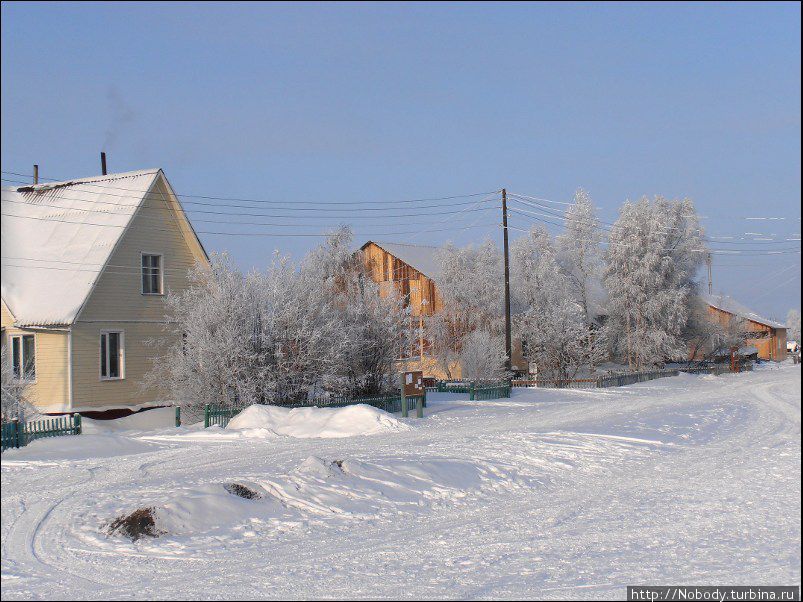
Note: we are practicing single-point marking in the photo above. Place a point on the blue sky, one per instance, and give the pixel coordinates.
(379, 102)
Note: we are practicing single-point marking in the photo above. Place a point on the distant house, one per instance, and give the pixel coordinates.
(767, 338)
(413, 272)
(86, 266)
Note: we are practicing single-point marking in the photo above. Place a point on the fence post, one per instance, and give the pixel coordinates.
(404, 411)
(178, 416)
(472, 392)
(77, 423)
(419, 406)
(206, 416)
(15, 438)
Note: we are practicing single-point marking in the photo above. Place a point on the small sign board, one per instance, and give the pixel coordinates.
(413, 383)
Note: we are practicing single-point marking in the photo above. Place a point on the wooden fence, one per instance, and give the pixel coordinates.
(19, 433)
(603, 381)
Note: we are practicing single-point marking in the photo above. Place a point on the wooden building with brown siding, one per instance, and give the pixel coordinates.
(411, 271)
(766, 335)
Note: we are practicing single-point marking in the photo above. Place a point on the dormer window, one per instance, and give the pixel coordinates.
(151, 274)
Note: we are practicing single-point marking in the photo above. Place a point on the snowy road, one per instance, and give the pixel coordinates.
(564, 494)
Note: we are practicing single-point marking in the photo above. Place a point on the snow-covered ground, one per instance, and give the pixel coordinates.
(564, 494)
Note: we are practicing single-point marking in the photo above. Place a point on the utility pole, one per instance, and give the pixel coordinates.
(508, 342)
(710, 280)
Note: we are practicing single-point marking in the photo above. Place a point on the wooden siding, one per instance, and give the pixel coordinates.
(118, 293)
(51, 390)
(770, 342)
(420, 292)
(117, 303)
(143, 343)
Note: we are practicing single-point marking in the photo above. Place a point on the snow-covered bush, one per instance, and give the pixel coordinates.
(654, 252)
(471, 290)
(483, 356)
(292, 332)
(15, 402)
(793, 325)
(550, 321)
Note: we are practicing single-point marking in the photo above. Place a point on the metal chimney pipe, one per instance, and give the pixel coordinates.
(103, 163)
(35, 174)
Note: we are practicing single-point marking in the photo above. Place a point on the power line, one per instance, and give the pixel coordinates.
(270, 234)
(77, 182)
(233, 214)
(609, 229)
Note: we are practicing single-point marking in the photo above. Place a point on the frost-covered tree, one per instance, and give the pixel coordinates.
(654, 252)
(471, 290)
(579, 252)
(288, 334)
(483, 356)
(370, 327)
(15, 391)
(793, 325)
(549, 320)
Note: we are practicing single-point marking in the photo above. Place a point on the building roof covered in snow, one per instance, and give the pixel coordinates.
(420, 257)
(58, 237)
(731, 306)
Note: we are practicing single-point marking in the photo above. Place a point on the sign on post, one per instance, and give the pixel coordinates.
(412, 385)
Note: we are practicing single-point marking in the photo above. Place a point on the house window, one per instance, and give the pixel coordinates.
(151, 274)
(112, 355)
(23, 356)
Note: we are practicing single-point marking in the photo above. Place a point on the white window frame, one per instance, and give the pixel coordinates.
(161, 273)
(105, 359)
(20, 336)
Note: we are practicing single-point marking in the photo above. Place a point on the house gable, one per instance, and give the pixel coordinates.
(158, 227)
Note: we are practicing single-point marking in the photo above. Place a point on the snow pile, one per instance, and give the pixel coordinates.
(327, 489)
(158, 418)
(315, 423)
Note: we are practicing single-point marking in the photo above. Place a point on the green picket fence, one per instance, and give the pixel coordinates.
(477, 391)
(20, 433)
(495, 391)
(453, 386)
(219, 416)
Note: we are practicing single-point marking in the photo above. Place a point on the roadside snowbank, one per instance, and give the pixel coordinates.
(315, 423)
(149, 420)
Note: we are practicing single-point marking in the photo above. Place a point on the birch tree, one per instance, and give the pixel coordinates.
(470, 285)
(549, 320)
(654, 252)
(579, 252)
(15, 391)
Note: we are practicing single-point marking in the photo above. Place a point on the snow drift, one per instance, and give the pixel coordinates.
(315, 423)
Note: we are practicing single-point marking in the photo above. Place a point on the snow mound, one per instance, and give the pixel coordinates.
(315, 423)
(157, 418)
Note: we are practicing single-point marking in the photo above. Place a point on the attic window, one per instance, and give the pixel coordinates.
(151, 274)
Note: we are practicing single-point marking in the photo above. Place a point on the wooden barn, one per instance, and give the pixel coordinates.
(766, 335)
(412, 271)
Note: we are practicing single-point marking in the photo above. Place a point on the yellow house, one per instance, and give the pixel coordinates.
(86, 265)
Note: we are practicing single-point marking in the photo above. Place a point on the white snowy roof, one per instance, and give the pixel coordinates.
(730, 305)
(52, 252)
(420, 257)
